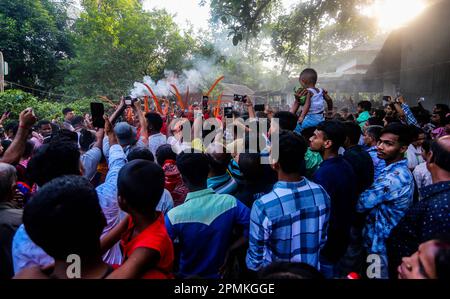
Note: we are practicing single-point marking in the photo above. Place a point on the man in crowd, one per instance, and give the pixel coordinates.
(289, 223)
(371, 137)
(388, 199)
(430, 218)
(155, 137)
(68, 117)
(10, 218)
(203, 225)
(338, 178)
(218, 178)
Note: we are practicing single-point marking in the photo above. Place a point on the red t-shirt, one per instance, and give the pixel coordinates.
(155, 237)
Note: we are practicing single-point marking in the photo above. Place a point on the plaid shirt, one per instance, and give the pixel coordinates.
(387, 201)
(288, 224)
(410, 119)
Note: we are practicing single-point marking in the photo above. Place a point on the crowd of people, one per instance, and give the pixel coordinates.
(350, 195)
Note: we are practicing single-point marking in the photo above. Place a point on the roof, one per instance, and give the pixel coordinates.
(232, 89)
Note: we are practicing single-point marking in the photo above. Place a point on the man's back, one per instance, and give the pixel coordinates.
(362, 166)
(203, 226)
(288, 224)
(337, 177)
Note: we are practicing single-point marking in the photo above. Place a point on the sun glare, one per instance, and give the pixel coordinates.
(392, 14)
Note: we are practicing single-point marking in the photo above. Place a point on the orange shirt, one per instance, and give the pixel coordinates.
(155, 237)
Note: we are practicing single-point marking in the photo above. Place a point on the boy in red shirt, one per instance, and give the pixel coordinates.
(147, 248)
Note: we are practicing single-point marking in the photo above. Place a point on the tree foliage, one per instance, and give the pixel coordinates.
(118, 43)
(34, 38)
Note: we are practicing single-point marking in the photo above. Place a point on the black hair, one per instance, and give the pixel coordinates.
(379, 113)
(86, 139)
(154, 121)
(292, 150)
(442, 118)
(441, 156)
(366, 105)
(287, 120)
(218, 159)
(164, 153)
(65, 135)
(140, 153)
(310, 75)
(12, 126)
(375, 121)
(66, 110)
(53, 160)
(402, 131)
(141, 185)
(392, 120)
(64, 217)
(250, 165)
(43, 123)
(352, 132)
(308, 132)
(8, 174)
(6, 144)
(415, 132)
(374, 132)
(77, 120)
(333, 131)
(286, 270)
(442, 259)
(194, 168)
(443, 107)
(426, 145)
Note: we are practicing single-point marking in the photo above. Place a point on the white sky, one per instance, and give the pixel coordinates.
(190, 10)
(390, 13)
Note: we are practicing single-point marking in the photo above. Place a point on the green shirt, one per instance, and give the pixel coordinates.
(363, 118)
(313, 161)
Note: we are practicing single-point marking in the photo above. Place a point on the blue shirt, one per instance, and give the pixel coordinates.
(338, 178)
(223, 184)
(379, 164)
(410, 119)
(26, 253)
(288, 224)
(203, 226)
(386, 201)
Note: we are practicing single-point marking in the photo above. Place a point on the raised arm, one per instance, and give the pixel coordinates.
(120, 109)
(17, 147)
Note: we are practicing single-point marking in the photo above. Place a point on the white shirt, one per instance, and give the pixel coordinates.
(422, 175)
(317, 105)
(155, 141)
(414, 156)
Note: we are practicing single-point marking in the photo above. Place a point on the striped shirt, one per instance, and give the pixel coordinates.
(288, 224)
(223, 184)
(410, 119)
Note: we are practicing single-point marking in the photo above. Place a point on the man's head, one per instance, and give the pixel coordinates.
(140, 186)
(419, 136)
(164, 153)
(438, 119)
(291, 158)
(53, 160)
(87, 138)
(308, 78)
(140, 153)
(68, 114)
(250, 165)
(154, 122)
(352, 134)
(438, 160)
(364, 106)
(218, 159)
(11, 129)
(126, 134)
(45, 128)
(328, 137)
(372, 135)
(287, 121)
(77, 122)
(64, 217)
(394, 142)
(441, 108)
(194, 169)
(430, 261)
(8, 178)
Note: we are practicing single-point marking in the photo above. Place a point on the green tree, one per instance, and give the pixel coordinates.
(117, 43)
(34, 38)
